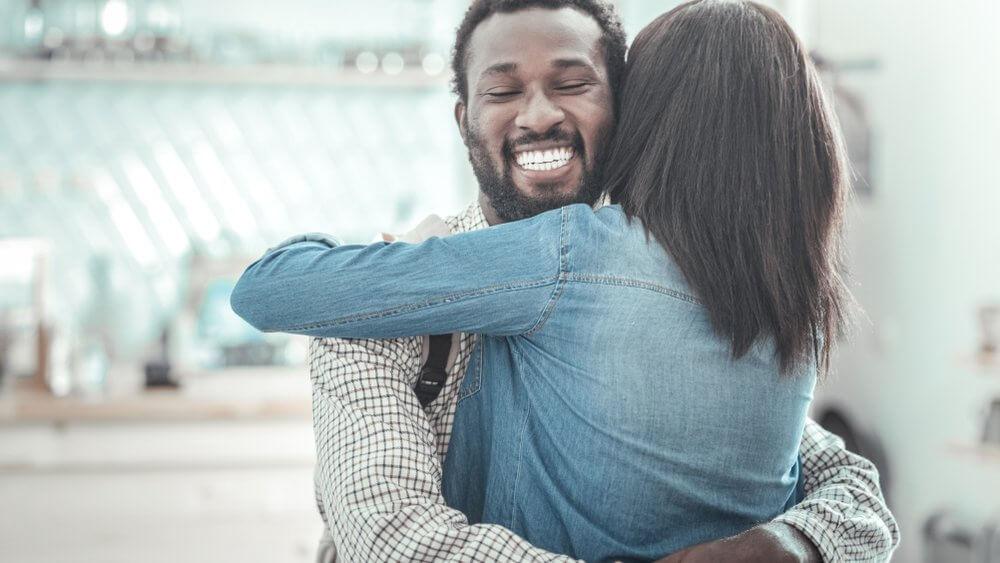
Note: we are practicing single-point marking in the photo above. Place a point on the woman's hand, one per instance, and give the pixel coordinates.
(432, 226)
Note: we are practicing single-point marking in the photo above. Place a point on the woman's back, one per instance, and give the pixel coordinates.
(620, 426)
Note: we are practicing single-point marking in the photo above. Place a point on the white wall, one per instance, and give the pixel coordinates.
(926, 249)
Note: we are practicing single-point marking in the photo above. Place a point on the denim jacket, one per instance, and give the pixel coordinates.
(619, 425)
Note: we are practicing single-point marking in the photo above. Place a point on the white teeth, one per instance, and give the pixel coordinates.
(544, 160)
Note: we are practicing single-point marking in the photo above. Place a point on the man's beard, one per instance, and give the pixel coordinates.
(509, 203)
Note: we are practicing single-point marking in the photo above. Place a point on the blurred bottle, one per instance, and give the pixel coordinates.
(26, 24)
(6, 29)
(90, 356)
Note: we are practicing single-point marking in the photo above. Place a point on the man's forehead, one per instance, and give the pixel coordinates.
(534, 35)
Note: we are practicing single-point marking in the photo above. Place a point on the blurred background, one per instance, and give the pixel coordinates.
(151, 149)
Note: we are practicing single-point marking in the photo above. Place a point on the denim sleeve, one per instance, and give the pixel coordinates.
(502, 281)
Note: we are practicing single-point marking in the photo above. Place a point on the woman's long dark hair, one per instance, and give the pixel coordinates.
(728, 153)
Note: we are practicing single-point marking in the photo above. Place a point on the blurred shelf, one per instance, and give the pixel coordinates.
(20, 70)
(981, 364)
(985, 454)
(240, 394)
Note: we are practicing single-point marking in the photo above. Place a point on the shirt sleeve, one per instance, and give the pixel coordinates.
(499, 281)
(378, 476)
(843, 513)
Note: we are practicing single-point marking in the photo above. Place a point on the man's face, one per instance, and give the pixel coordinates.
(538, 110)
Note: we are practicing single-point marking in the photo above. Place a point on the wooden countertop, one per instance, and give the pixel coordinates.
(228, 394)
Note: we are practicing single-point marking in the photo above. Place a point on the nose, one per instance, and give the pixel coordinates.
(539, 114)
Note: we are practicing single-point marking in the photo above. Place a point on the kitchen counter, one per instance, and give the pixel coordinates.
(219, 469)
(229, 394)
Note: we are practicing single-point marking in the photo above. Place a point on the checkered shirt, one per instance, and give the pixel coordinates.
(379, 459)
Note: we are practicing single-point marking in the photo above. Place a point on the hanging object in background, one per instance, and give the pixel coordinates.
(991, 428)
(989, 326)
(852, 111)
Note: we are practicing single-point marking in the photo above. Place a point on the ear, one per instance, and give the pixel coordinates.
(461, 121)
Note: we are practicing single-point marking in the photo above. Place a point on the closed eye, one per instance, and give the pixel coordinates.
(501, 94)
(573, 87)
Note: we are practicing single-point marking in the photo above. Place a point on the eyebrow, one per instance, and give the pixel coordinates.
(510, 68)
(573, 63)
(500, 68)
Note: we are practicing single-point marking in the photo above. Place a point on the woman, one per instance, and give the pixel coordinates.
(647, 365)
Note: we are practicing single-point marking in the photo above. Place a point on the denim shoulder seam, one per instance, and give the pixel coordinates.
(560, 275)
(511, 286)
(639, 284)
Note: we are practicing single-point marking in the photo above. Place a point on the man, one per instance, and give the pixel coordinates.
(536, 82)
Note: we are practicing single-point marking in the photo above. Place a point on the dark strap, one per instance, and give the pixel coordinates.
(434, 374)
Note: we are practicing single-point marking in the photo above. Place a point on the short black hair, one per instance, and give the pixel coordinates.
(612, 34)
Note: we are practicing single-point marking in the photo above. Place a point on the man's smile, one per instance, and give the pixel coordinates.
(544, 160)
(547, 164)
